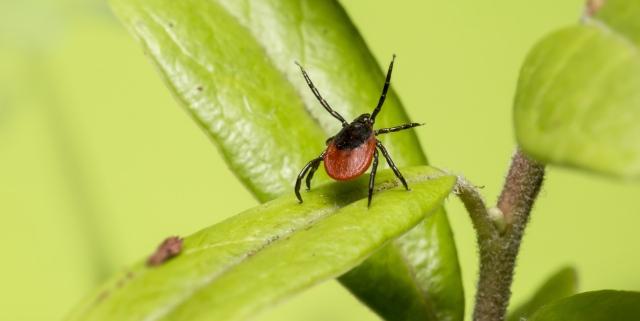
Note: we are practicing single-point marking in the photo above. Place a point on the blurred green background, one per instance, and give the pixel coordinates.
(98, 163)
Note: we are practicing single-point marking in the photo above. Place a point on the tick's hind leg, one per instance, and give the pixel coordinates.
(392, 165)
(314, 168)
(312, 164)
(372, 176)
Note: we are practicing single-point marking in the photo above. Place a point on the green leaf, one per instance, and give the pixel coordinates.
(560, 285)
(577, 102)
(250, 261)
(231, 64)
(605, 305)
(622, 17)
(422, 285)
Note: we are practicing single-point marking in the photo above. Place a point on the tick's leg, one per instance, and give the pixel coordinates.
(372, 176)
(392, 165)
(302, 173)
(387, 82)
(396, 128)
(314, 168)
(319, 97)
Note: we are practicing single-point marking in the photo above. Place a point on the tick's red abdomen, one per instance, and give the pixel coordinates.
(346, 164)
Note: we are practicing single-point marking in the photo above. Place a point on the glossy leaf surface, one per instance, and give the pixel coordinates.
(603, 305)
(417, 286)
(235, 268)
(560, 285)
(577, 102)
(231, 64)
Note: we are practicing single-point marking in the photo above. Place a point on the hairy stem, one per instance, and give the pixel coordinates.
(499, 248)
(475, 205)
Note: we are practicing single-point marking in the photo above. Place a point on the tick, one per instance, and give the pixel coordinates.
(355, 147)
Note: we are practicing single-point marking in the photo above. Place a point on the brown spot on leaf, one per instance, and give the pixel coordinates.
(125, 279)
(199, 88)
(102, 296)
(593, 6)
(169, 248)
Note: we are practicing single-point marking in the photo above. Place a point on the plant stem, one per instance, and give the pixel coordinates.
(475, 205)
(499, 249)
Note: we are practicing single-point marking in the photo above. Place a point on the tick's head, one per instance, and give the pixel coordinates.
(364, 119)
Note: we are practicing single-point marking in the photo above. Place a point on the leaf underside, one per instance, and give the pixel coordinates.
(603, 305)
(560, 285)
(231, 64)
(235, 268)
(577, 102)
